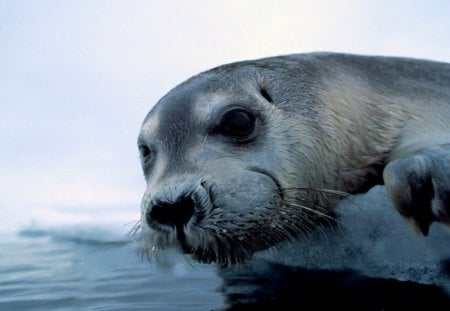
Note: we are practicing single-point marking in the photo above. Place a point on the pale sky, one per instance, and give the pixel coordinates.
(78, 77)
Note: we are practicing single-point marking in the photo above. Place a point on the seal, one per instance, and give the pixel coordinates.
(247, 155)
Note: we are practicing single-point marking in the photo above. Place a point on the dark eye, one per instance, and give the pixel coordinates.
(145, 152)
(237, 123)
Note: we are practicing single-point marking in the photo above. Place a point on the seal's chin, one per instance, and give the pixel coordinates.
(217, 250)
(221, 257)
(201, 245)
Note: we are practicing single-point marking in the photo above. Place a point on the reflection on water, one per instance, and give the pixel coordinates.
(74, 270)
(42, 270)
(265, 284)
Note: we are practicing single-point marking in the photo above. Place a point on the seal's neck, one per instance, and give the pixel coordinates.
(360, 128)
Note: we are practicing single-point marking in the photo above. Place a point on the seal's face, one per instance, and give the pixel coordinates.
(211, 154)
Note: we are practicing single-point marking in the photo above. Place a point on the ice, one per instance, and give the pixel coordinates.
(372, 239)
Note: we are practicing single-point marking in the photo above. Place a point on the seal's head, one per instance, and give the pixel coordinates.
(230, 163)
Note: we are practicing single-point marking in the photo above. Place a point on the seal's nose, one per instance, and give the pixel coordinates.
(173, 214)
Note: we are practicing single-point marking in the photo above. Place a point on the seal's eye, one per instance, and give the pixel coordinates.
(237, 123)
(145, 152)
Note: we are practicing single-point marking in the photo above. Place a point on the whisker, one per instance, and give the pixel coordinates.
(327, 192)
(337, 193)
(309, 209)
(135, 229)
(316, 206)
(309, 227)
(301, 214)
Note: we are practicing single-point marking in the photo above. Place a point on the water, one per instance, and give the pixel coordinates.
(374, 264)
(53, 270)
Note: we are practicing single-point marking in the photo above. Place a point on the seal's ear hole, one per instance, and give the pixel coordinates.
(266, 95)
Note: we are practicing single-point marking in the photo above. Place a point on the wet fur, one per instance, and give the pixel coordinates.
(335, 122)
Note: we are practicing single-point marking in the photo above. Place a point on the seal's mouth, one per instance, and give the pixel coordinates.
(198, 224)
(184, 245)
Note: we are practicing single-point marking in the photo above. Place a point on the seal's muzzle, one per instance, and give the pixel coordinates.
(173, 214)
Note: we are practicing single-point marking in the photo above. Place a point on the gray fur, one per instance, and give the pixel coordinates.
(326, 124)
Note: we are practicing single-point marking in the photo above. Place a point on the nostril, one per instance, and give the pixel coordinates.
(172, 214)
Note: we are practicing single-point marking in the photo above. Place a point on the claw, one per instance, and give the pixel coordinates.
(409, 185)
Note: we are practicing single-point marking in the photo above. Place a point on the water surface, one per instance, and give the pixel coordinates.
(48, 270)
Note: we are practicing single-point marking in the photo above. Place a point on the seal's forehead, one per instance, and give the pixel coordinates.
(194, 98)
(206, 103)
(185, 110)
(150, 125)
